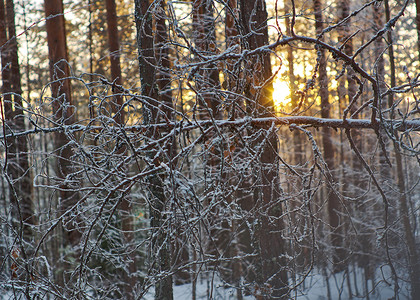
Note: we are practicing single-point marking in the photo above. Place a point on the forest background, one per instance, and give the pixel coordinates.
(259, 148)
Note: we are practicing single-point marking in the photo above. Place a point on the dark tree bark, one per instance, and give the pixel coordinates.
(208, 82)
(418, 26)
(367, 259)
(180, 251)
(353, 179)
(207, 85)
(164, 62)
(270, 274)
(90, 40)
(253, 17)
(160, 240)
(235, 105)
(17, 154)
(163, 75)
(334, 206)
(118, 115)
(413, 253)
(344, 38)
(379, 47)
(229, 236)
(346, 42)
(296, 148)
(231, 31)
(17, 159)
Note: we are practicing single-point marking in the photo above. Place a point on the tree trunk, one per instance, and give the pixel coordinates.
(62, 106)
(385, 169)
(114, 49)
(367, 260)
(180, 249)
(359, 185)
(297, 135)
(271, 275)
(17, 159)
(231, 31)
(418, 27)
(63, 113)
(235, 105)
(160, 239)
(205, 40)
(354, 184)
(346, 39)
(119, 117)
(413, 255)
(334, 206)
(164, 62)
(17, 150)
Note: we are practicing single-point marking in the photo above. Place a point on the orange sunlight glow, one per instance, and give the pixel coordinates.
(281, 94)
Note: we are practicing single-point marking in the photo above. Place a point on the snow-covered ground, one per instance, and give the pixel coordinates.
(314, 287)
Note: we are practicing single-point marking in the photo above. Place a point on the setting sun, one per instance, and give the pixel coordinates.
(281, 93)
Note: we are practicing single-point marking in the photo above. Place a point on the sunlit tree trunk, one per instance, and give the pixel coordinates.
(270, 274)
(63, 113)
(160, 240)
(114, 49)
